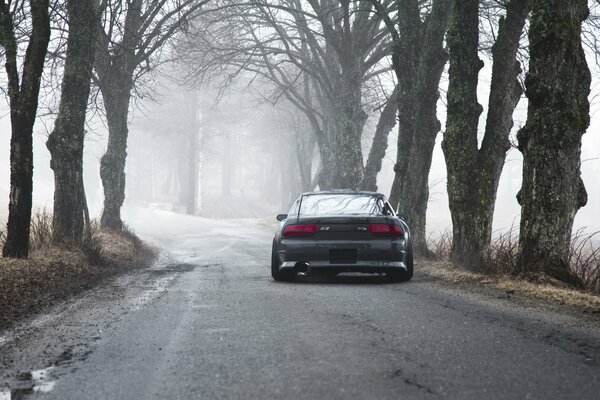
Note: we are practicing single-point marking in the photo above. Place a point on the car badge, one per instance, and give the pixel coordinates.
(324, 228)
(362, 228)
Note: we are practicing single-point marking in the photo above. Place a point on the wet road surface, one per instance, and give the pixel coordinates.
(207, 322)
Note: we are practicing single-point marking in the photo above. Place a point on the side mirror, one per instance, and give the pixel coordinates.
(281, 217)
(402, 216)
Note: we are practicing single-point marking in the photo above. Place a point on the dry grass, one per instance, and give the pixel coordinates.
(440, 245)
(56, 272)
(543, 288)
(585, 260)
(40, 230)
(502, 268)
(504, 251)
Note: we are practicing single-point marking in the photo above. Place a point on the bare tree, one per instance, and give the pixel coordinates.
(557, 86)
(318, 54)
(129, 46)
(23, 97)
(418, 58)
(473, 171)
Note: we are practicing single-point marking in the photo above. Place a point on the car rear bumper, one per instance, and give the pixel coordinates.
(373, 256)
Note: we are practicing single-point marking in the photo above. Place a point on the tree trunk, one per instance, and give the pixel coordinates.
(347, 152)
(460, 139)
(557, 86)
(474, 174)
(419, 60)
(23, 107)
(304, 152)
(112, 163)
(387, 121)
(227, 168)
(340, 147)
(67, 139)
(115, 77)
(194, 158)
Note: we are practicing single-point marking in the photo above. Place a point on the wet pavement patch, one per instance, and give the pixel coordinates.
(173, 268)
(178, 268)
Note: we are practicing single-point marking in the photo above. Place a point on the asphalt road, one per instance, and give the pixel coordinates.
(207, 322)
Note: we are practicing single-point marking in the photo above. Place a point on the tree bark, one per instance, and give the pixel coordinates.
(67, 139)
(474, 173)
(387, 121)
(460, 139)
(23, 98)
(348, 159)
(557, 86)
(340, 147)
(112, 164)
(419, 59)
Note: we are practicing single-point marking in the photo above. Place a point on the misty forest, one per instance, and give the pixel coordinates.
(168, 134)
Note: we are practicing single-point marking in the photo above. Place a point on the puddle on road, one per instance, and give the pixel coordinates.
(28, 384)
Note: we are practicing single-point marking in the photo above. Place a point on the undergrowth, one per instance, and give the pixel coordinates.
(584, 255)
(40, 237)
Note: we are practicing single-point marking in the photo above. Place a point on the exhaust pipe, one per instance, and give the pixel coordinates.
(303, 268)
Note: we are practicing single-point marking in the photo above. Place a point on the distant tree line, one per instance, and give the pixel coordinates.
(328, 58)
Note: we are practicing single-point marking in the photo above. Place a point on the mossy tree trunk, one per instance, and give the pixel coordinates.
(23, 98)
(557, 86)
(473, 172)
(67, 139)
(419, 58)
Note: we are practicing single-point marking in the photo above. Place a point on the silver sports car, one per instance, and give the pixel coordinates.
(341, 231)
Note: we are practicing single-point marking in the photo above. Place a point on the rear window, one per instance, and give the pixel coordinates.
(341, 204)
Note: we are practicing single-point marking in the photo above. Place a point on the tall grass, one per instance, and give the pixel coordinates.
(584, 259)
(440, 245)
(40, 237)
(40, 230)
(584, 255)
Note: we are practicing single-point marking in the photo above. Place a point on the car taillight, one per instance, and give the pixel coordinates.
(386, 230)
(299, 230)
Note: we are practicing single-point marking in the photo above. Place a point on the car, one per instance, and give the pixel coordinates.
(334, 232)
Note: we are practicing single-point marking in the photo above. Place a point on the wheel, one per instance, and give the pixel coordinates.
(404, 276)
(278, 275)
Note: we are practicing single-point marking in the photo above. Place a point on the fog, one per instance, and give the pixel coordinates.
(247, 165)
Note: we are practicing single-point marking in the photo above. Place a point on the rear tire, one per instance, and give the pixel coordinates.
(280, 276)
(403, 276)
